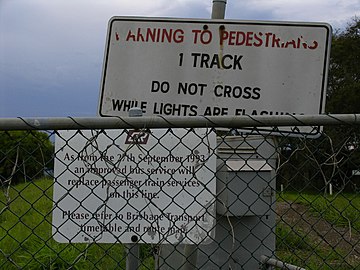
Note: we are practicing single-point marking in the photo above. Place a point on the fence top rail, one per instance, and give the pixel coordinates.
(68, 123)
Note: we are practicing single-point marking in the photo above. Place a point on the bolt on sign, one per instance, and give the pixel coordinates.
(134, 186)
(178, 67)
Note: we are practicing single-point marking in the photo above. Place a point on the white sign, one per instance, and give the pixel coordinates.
(176, 67)
(133, 186)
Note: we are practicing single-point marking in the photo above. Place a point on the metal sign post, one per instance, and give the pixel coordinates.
(218, 9)
(182, 67)
(133, 249)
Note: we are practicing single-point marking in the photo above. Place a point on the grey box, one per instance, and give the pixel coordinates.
(245, 221)
(245, 176)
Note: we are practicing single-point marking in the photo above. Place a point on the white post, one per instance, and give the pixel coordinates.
(330, 189)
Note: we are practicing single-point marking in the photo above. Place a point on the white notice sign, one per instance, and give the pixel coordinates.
(134, 186)
(175, 67)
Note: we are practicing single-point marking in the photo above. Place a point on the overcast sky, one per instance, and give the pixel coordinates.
(51, 51)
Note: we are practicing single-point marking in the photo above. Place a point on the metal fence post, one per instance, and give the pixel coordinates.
(133, 250)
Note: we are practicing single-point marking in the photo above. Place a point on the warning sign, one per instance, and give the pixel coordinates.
(176, 67)
(134, 186)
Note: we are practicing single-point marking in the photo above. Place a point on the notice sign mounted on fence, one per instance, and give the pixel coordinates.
(134, 186)
(175, 67)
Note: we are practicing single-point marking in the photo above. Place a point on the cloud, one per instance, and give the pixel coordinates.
(53, 50)
(336, 13)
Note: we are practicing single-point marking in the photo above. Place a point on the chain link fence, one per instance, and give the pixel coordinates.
(180, 193)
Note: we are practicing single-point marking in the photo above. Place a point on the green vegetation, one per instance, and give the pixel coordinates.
(343, 97)
(312, 164)
(344, 79)
(341, 210)
(24, 155)
(297, 246)
(26, 241)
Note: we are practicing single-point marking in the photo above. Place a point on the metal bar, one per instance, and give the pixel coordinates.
(190, 254)
(133, 250)
(273, 262)
(69, 123)
(132, 256)
(218, 9)
(191, 251)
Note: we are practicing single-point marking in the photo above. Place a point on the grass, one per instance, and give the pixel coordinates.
(290, 240)
(26, 239)
(342, 210)
(298, 248)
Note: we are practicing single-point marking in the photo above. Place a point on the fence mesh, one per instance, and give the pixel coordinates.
(179, 199)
